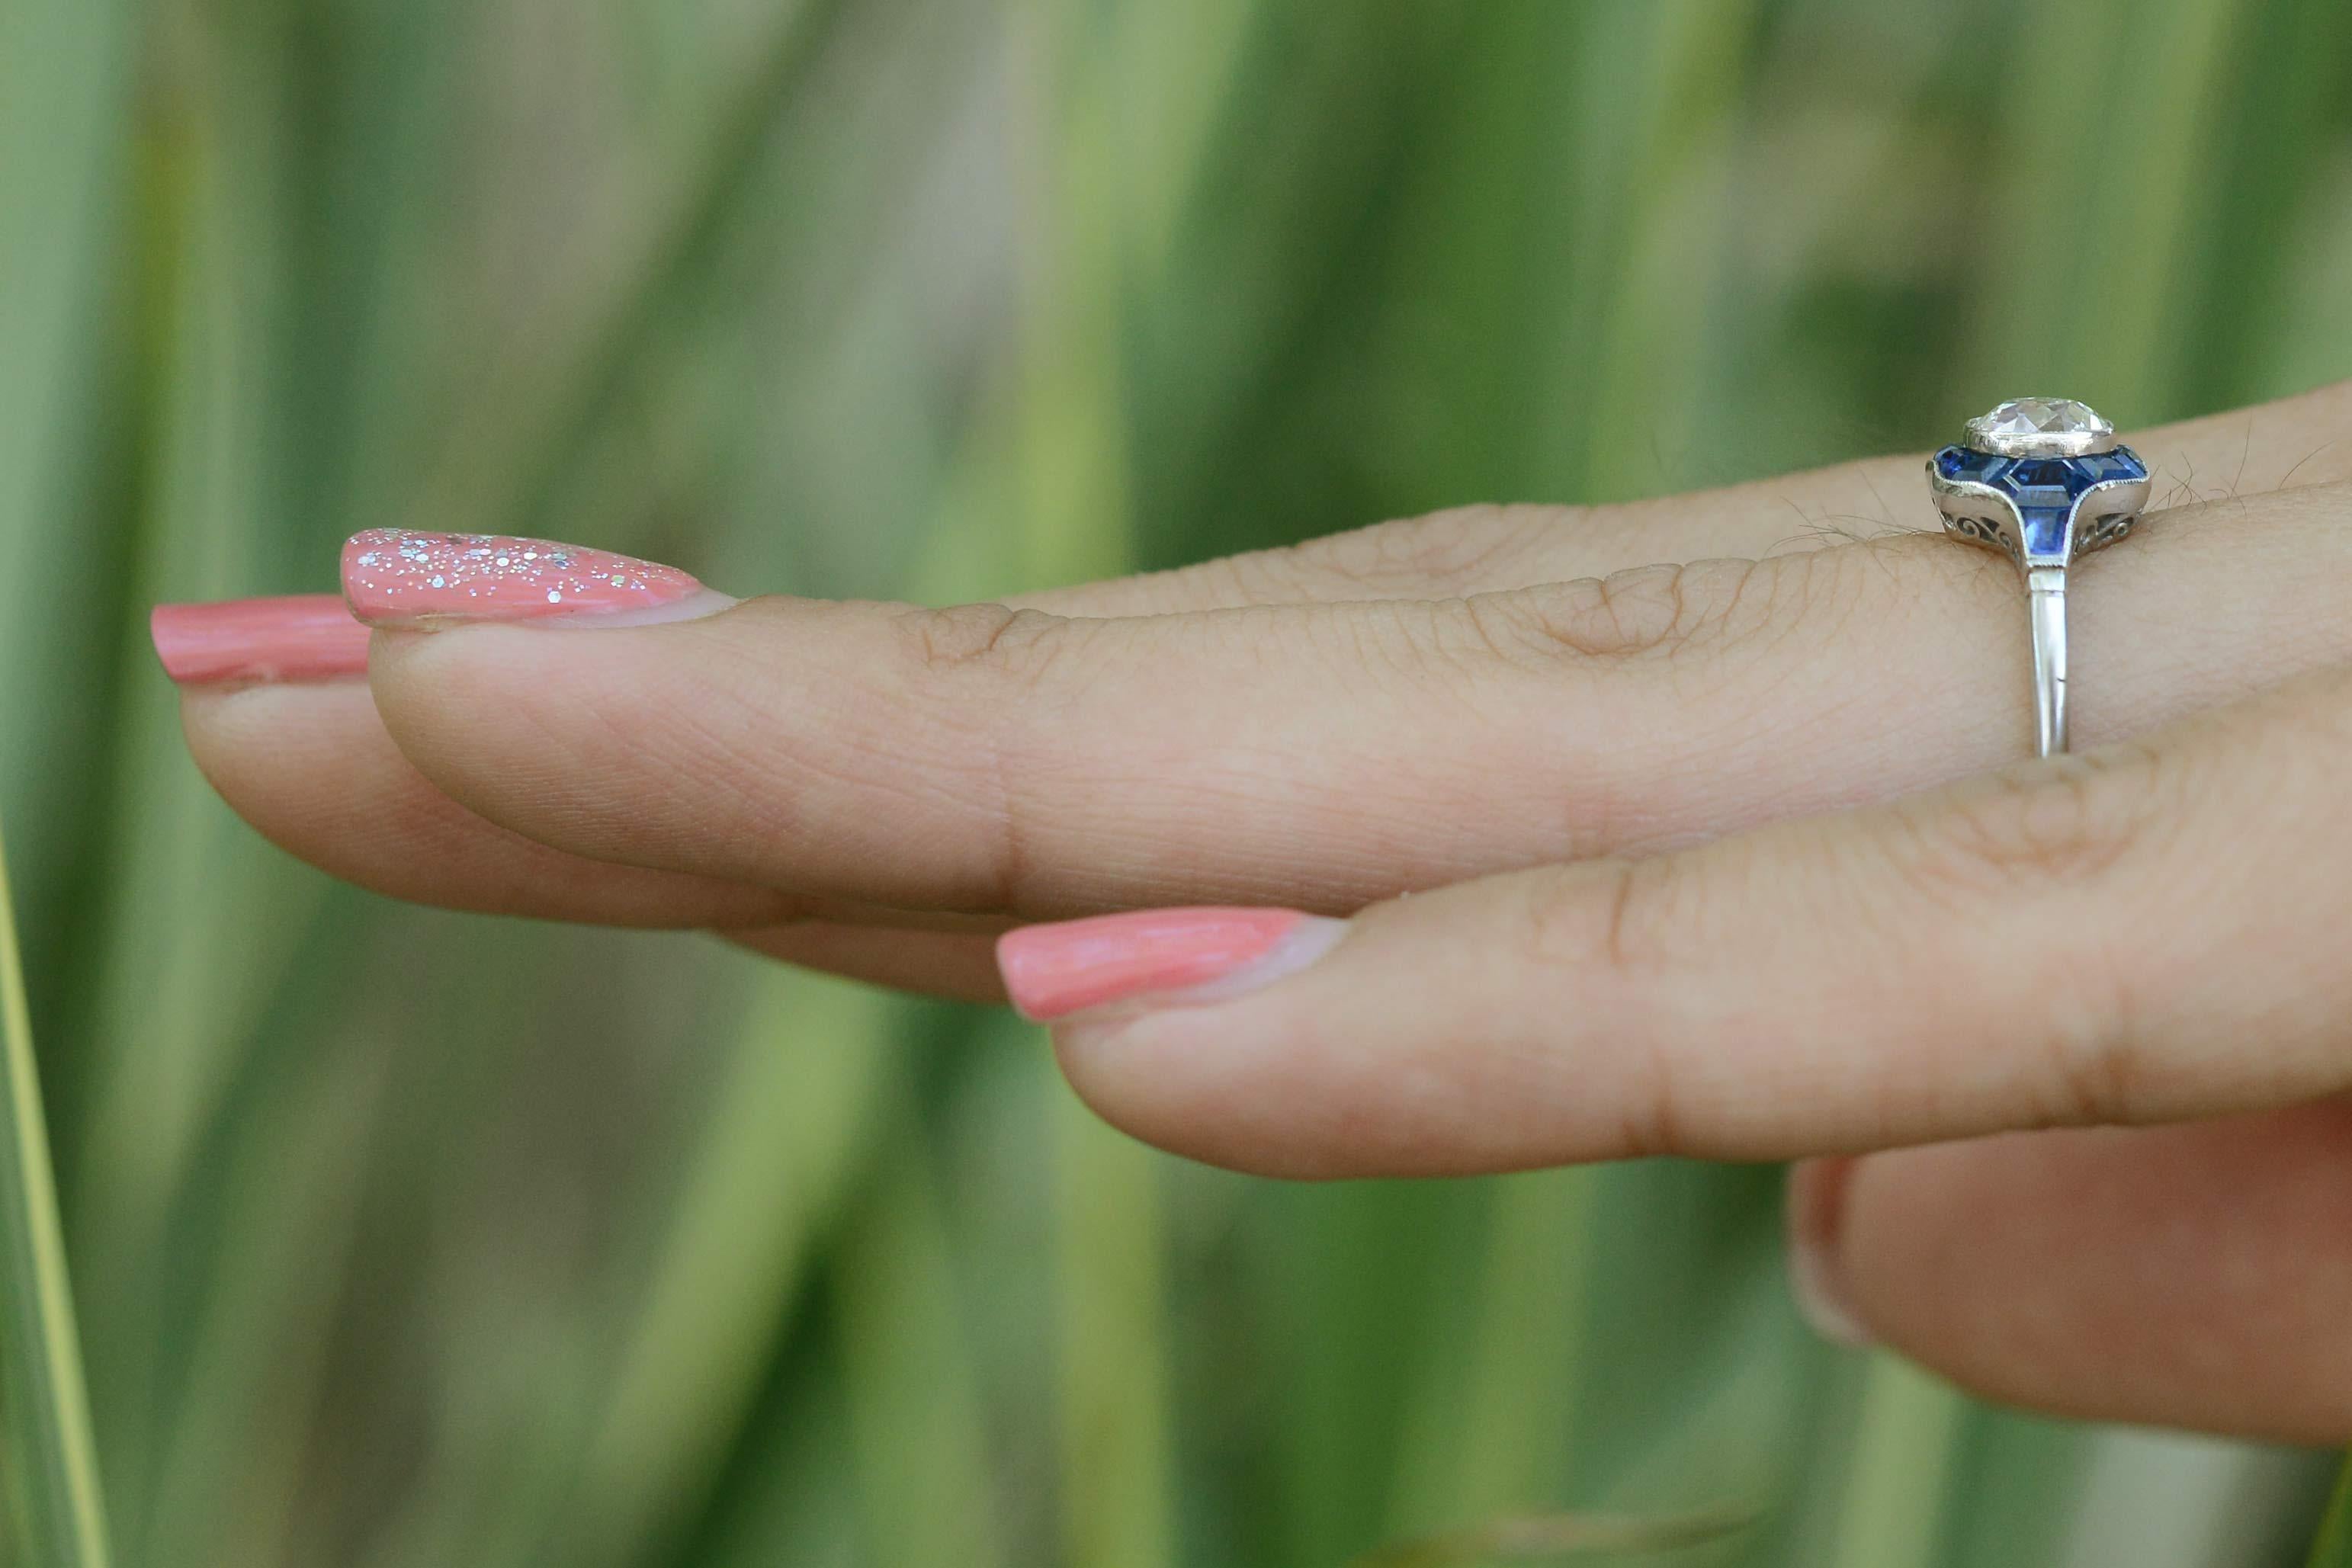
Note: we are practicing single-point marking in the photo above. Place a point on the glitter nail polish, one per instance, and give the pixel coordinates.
(397, 577)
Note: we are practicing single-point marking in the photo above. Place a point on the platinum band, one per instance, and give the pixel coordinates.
(2045, 592)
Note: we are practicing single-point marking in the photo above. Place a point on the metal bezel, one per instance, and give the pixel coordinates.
(2111, 509)
(1978, 514)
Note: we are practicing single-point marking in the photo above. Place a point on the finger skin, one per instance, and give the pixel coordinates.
(2150, 934)
(1328, 756)
(312, 767)
(2197, 1276)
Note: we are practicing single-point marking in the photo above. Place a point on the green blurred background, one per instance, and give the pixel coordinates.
(406, 1240)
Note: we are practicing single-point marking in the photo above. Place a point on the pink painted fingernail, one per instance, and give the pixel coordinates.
(394, 576)
(1167, 956)
(1816, 1221)
(300, 637)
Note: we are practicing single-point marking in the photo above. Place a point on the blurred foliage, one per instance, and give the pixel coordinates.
(2334, 1547)
(406, 1240)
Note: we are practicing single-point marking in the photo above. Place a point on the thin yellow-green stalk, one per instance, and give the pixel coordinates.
(2334, 1547)
(52, 1469)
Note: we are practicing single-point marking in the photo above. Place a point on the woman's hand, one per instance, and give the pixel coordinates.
(1729, 944)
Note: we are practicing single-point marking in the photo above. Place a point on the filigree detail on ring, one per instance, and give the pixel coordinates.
(2106, 532)
(1984, 530)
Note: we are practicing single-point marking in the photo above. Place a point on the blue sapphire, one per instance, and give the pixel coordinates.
(2044, 488)
(1965, 462)
(2045, 529)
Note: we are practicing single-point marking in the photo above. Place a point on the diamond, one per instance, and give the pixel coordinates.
(2042, 416)
(2042, 427)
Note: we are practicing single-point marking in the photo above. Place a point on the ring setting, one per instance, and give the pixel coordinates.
(2044, 481)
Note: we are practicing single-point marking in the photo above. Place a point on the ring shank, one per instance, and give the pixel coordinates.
(2046, 595)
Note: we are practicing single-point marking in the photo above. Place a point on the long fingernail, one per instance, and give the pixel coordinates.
(394, 576)
(1816, 1222)
(1157, 956)
(300, 637)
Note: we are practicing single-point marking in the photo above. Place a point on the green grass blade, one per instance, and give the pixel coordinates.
(918, 1420)
(1497, 1435)
(44, 1413)
(1905, 1445)
(1554, 1537)
(2334, 1547)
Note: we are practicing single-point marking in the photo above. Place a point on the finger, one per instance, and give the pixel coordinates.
(1461, 551)
(311, 767)
(2296, 442)
(2147, 933)
(1325, 755)
(357, 824)
(2195, 1276)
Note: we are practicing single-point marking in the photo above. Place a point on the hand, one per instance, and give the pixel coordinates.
(879, 789)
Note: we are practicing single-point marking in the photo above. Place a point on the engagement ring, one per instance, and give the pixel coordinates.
(2043, 480)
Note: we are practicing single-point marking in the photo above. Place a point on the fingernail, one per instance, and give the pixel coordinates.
(300, 637)
(1816, 1221)
(395, 577)
(1157, 957)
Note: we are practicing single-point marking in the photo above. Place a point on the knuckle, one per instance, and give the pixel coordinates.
(2098, 1074)
(984, 636)
(1598, 915)
(1651, 612)
(2032, 857)
(1611, 924)
(2065, 823)
(987, 749)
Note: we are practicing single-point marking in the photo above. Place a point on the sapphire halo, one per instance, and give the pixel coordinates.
(2044, 479)
(2041, 480)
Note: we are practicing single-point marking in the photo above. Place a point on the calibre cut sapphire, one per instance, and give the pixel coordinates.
(1957, 463)
(2045, 490)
